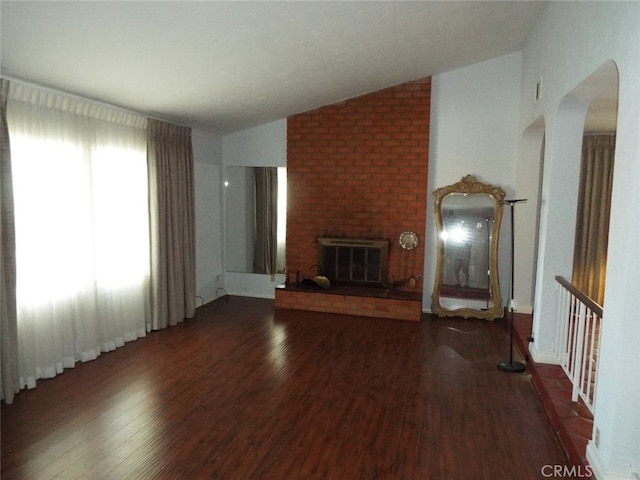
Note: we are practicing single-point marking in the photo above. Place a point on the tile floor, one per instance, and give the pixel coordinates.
(572, 421)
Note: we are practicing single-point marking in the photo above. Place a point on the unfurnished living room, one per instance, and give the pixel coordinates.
(320, 240)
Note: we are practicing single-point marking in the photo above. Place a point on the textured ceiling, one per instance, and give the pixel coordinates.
(226, 66)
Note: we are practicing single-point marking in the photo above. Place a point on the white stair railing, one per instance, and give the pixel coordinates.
(578, 340)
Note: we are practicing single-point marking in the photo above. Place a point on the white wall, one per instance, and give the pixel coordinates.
(262, 146)
(240, 221)
(474, 130)
(528, 185)
(207, 152)
(572, 40)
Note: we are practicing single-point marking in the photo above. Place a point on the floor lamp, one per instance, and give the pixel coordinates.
(510, 365)
(486, 221)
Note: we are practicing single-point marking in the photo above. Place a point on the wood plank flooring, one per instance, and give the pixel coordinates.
(246, 392)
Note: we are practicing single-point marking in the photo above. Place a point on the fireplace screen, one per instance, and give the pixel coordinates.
(353, 261)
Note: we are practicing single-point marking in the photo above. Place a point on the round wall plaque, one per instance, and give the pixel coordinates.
(408, 240)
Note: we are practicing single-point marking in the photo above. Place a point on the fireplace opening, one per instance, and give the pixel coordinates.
(349, 261)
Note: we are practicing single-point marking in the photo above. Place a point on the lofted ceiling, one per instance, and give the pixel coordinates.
(225, 66)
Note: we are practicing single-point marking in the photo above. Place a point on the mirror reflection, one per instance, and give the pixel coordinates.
(468, 216)
(256, 199)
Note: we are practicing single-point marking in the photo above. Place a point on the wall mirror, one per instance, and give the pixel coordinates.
(255, 218)
(468, 215)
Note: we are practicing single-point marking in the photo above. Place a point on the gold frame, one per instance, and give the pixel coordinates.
(467, 185)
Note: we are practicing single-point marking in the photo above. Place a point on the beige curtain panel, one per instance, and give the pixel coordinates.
(592, 222)
(266, 248)
(172, 223)
(8, 313)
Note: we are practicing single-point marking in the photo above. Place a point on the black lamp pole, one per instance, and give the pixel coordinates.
(486, 221)
(510, 365)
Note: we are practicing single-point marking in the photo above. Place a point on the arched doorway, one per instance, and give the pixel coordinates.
(596, 180)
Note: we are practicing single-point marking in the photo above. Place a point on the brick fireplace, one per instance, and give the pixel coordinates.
(358, 170)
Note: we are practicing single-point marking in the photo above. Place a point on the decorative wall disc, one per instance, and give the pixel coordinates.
(408, 240)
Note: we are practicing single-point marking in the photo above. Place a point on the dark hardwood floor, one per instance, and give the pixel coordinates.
(246, 392)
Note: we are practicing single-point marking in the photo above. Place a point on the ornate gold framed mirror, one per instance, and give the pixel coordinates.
(468, 216)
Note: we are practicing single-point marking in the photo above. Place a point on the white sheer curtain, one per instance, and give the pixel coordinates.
(82, 229)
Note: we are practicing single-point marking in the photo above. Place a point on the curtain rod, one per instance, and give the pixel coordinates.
(87, 99)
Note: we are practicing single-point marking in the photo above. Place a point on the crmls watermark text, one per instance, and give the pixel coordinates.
(565, 471)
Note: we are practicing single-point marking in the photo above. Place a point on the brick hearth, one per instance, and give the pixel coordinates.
(363, 302)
